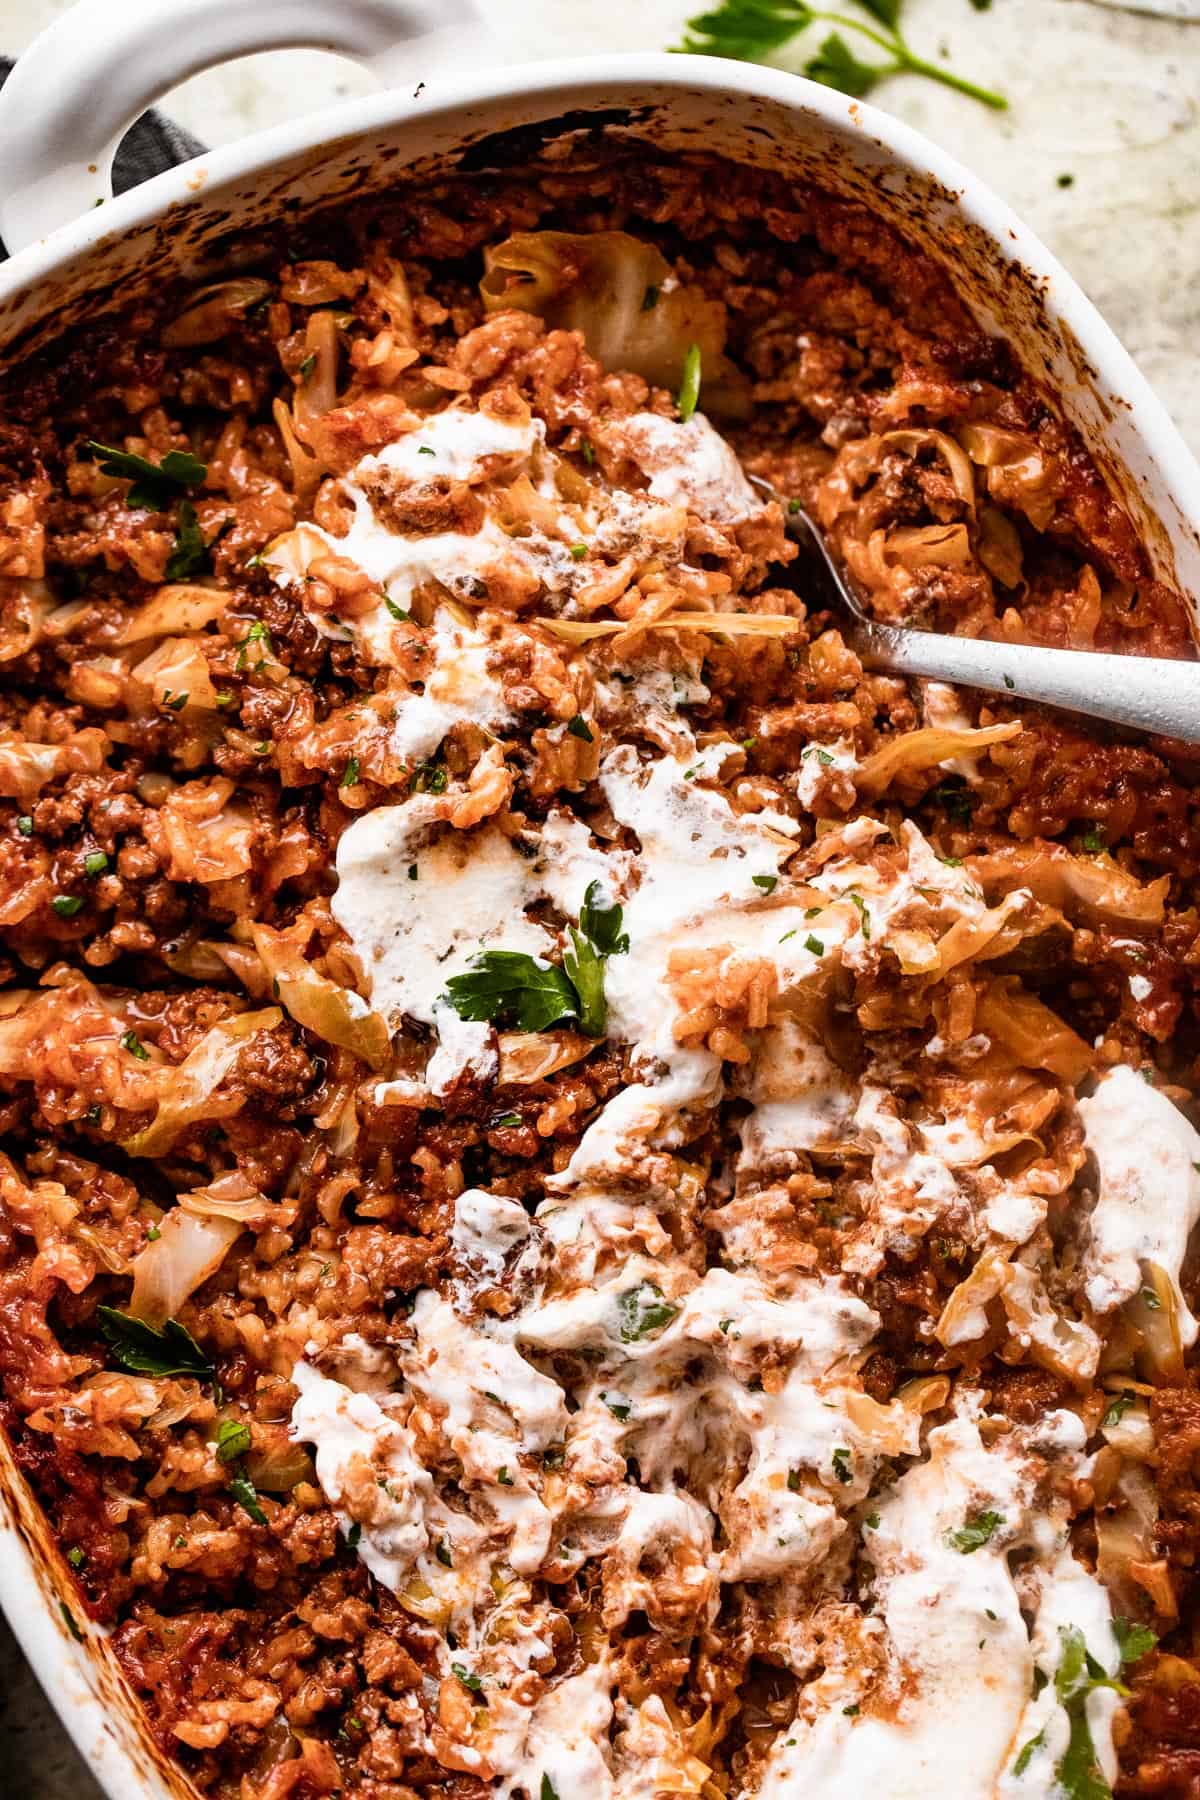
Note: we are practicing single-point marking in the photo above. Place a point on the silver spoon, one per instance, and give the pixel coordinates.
(1150, 693)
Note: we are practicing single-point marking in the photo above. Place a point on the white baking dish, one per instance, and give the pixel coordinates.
(60, 118)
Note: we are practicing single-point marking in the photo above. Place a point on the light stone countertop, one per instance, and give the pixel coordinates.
(1106, 94)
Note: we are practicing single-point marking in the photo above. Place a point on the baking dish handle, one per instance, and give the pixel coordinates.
(73, 95)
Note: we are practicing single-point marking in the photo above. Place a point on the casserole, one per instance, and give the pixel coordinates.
(184, 221)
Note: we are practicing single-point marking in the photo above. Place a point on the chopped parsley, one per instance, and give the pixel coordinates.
(503, 1476)
(620, 1409)
(689, 387)
(426, 450)
(864, 917)
(1134, 1641)
(397, 612)
(25, 824)
(189, 555)
(354, 1535)
(154, 484)
(507, 1122)
(1094, 839)
(814, 945)
(768, 883)
(75, 1557)
(95, 862)
(841, 1460)
(147, 1350)
(246, 1495)
(442, 1552)
(66, 905)
(957, 800)
(428, 778)
(643, 1310)
(579, 728)
(412, 872)
(257, 634)
(132, 1042)
(1027, 1753)
(751, 30)
(350, 774)
(69, 1621)
(1117, 1407)
(307, 366)
(974, 1532)
(233, 1440)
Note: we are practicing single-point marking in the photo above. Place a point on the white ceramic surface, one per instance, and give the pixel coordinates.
(178, 222)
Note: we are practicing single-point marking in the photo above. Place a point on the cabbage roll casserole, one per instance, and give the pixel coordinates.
(596, 1200)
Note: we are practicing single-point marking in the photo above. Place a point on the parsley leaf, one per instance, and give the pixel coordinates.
(547, 1791)
(1118, 1406)
(974, 1532)
(835, 65)
(154, 483)
(746, 29)
(233, 1440)
(689, 387)
(601, 919)
(246, 1495)
(641, 1310)
(579, 728)
(510, 988)
(190, 554)
(1026, 1755)
(1134, 1641)
(148, 1351)
(957, 800)
(752, 30)
(841, 1465)
(584, 967)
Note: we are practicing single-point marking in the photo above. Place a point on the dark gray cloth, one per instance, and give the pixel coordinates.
(152, 145)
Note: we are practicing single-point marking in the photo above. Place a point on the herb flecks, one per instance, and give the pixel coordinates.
(975, 1532)
(752, 30)
(642, 1311)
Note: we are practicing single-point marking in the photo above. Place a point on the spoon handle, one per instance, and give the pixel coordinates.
(1149, 693)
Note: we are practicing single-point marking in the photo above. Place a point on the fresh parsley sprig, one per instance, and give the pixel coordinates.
(751, 30)
(512, 989)
(155, 484)
(1077, 1772)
